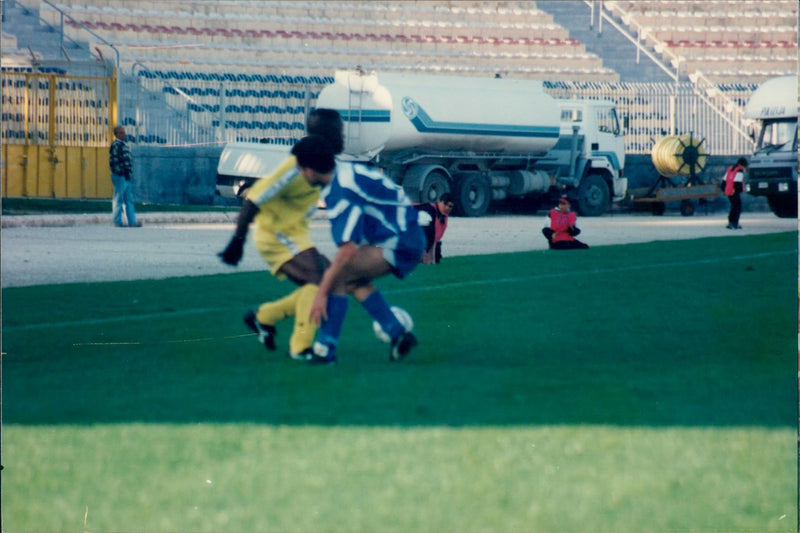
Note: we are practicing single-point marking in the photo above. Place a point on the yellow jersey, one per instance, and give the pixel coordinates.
(286, 204)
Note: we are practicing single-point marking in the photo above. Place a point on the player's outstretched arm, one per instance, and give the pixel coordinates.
(232, 253)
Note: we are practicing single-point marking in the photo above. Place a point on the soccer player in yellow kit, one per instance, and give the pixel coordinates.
(281, 205)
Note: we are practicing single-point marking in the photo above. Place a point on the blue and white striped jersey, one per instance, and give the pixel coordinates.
(366, 207)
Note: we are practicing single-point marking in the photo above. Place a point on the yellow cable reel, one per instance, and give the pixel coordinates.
(679, 155)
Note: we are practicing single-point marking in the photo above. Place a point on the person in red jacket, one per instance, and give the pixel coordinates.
(560, 229)
(439, 211)
(734, 186)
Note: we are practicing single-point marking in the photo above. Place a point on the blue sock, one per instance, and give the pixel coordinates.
(331, 329)
(378, 308)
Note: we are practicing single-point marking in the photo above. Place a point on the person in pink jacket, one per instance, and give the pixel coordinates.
(560, 229)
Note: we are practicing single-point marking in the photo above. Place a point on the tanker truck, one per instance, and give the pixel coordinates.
(482, 139)
(773, 167)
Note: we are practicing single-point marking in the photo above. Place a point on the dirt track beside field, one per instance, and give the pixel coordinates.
(74, 249)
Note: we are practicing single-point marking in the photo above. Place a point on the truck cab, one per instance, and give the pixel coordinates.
(772, 171)
(589, 158)
(242, 163)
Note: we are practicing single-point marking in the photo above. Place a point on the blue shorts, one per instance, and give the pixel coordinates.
(406, 253)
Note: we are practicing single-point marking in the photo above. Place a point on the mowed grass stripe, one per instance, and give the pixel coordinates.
(242, 477)
(593, 393)
(408, 290)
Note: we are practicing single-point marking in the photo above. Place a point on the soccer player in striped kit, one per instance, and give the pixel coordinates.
(375, 228)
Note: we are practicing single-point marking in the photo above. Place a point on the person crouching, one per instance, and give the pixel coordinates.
(560, 228)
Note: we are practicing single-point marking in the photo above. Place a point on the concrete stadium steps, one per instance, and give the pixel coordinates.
(320, 66)
(757, 37)
(519, 40)
(402, 20)
(727, 48)
(224, 42)
(736, 75)
(362, 55)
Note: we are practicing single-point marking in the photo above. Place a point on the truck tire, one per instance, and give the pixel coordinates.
(434, 185)
(472, 195)
(593, 196)
(784, 206)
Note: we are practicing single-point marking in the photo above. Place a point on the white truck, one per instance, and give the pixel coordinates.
(481, 139)
(242, 163)
(772, 170)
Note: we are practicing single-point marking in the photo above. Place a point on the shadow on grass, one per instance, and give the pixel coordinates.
(698, 333)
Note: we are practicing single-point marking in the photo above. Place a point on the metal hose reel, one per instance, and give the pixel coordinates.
(678, 159)
(679, 155)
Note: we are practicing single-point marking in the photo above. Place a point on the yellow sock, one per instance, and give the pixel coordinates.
(273, 312)
(304, 329)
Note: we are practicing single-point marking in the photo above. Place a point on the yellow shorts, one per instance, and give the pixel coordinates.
(279, 248)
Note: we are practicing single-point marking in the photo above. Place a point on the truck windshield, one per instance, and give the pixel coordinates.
(607, 120)
(778, 135)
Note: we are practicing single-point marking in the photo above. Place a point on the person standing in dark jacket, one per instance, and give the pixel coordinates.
(119, 159)
(734, 186)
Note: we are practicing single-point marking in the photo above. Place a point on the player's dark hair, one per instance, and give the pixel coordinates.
(742, 162)
(314, 152)
(327, 123)
(446, 198)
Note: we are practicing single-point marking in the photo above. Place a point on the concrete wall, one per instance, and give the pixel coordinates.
(176, 175)
(187, 176)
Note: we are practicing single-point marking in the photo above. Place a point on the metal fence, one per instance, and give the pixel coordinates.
(171, 108)
(56, 129)
(163, 108)
(654, 110)
(56, 109)
(182, 109)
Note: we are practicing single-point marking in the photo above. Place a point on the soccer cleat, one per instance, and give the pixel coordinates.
(321, 354)
(318, 360)
(266, 333)
(402, 345)
(304, 355)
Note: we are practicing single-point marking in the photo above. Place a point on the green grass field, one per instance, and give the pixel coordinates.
(648, 387)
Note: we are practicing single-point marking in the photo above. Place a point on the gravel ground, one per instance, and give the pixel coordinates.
(86, 248)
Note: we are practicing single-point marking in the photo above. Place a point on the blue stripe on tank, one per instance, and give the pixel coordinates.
(423, 123)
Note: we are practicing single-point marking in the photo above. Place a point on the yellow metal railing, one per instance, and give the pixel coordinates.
(56, 130)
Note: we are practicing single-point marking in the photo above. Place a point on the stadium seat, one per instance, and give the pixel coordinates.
(294, 44)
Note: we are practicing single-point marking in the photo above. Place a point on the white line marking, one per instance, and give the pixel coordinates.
(407, 290)
(178, 341)
(459, 284)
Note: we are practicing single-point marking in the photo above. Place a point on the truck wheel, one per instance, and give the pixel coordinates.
(472, 195)
(593, 196)
(434, 186)
(687, 208)
(658, 208)
(783, 206)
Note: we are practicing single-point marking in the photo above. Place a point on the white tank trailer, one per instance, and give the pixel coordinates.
(772, 168)
(482, 139)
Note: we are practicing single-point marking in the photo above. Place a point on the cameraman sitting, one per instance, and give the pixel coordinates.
(560, 229)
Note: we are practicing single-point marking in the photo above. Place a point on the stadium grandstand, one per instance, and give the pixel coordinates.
(194, 72)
